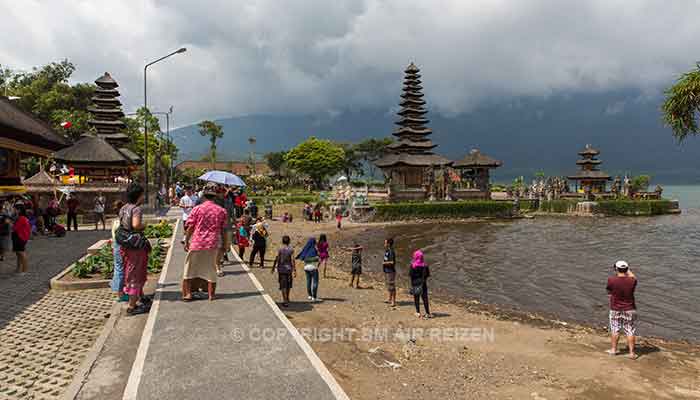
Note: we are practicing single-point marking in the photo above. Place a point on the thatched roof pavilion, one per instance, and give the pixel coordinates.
(22, 133)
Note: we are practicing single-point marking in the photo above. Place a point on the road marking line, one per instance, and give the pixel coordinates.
(132, 385)
(320, 367)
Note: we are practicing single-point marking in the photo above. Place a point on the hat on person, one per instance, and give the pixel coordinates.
(621, 265)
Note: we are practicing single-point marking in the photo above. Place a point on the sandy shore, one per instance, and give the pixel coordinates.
(469, 350)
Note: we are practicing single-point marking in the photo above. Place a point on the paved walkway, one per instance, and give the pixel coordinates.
(44, 336)
(239, 346)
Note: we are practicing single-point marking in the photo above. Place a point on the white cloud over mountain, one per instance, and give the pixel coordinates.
(250, 57)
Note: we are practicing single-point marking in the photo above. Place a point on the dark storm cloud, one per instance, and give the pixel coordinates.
(247, 57)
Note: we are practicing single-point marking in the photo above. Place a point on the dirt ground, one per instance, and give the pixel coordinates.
(468, 351)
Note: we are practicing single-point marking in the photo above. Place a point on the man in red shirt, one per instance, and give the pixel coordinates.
(623, 310)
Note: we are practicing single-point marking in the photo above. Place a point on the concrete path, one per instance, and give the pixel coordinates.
(239, 346)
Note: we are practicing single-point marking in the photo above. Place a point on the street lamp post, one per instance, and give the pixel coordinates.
(145, 122)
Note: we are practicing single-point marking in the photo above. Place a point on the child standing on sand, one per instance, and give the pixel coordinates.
(323, 253)
(356, 265)
(339, 218)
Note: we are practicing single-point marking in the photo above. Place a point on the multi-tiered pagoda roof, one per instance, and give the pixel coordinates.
(589, 166)
(102, 155)
(107, 112)
(412, 147)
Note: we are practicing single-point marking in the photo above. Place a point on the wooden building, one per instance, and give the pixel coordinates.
(240, 168)
(22, 134)
(101, 158)
(474, 176)
(410, 166)
(590, 179)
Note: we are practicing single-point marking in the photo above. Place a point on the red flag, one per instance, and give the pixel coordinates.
(66, 124)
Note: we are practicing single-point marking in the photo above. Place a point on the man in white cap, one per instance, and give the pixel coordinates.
(623, 310)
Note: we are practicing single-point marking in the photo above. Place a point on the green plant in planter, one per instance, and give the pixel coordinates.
(155, 263)
(160, 230)
(82, 268)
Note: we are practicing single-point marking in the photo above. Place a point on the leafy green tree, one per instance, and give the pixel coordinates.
(275, 160)
(640, 183)
(352, 162)
(317, 159)
(371, 150)
(215, 132)
(682, 104)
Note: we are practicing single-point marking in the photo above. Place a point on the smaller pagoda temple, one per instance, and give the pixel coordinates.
(474, 176)
(590, 180)
(410, 166)
(102, 157)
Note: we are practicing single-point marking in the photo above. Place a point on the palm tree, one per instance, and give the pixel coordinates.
(682, 105)
(214, 131)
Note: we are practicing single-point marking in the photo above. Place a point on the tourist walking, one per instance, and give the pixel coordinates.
(21, 232)
(286, 268)
(242, 239)
(134, 250)
(99, 211)
(117, 283)
(5, 231)
(356, 270)
(623, 310)
(389, 266)
(205, 227)
(309, 256)
(72, 216)
(323, 252)
(419, 283)
(187, 204)
(259, 236)
(240, 202)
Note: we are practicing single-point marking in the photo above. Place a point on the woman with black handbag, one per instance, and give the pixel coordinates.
(419, 283)
(134, 249)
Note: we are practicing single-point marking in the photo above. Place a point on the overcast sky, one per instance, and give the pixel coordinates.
(275, 56)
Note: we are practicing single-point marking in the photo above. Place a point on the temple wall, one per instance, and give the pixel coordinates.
(469, 194)
(408, 195)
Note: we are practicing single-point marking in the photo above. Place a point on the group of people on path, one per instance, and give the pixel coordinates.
(207, 219)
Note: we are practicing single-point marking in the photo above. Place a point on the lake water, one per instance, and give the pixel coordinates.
(559, 265)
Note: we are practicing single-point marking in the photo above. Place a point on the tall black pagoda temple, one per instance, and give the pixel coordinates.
(107, 112)
(102, 157)
(410, 163)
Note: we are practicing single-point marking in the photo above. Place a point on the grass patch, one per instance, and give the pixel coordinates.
(634, 207)
(455, 209)
(558, 206)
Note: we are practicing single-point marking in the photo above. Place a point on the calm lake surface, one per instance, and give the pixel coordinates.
(560, 265)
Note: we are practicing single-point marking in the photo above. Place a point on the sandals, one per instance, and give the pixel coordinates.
(139, 309)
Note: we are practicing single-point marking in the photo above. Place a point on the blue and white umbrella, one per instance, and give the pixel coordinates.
(223, 178)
